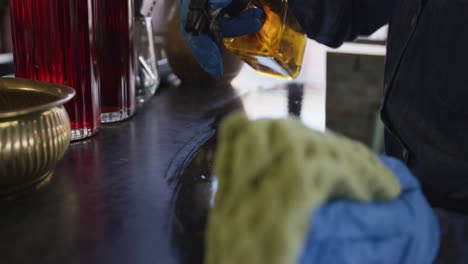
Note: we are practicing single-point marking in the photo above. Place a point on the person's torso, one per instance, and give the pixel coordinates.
(426, 94)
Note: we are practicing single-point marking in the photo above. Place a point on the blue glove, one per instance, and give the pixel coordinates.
(204, 49)
(404, 230)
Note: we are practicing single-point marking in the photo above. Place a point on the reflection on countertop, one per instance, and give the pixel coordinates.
(193, 196)
(139, 191)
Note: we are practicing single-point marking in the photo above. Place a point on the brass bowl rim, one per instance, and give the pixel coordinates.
(61, 92)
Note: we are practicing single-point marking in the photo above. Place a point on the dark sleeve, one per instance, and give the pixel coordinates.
(331, 22)
(454, 237)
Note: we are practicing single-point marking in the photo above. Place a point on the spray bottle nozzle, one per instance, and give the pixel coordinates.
(198, 19)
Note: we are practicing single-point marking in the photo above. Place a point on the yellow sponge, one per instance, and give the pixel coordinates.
(272, 174)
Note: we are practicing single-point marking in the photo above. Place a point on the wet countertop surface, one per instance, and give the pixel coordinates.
(139, 191)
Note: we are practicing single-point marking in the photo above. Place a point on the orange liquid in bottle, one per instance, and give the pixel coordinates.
(277, 49)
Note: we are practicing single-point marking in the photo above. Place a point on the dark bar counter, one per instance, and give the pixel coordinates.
(139, 191)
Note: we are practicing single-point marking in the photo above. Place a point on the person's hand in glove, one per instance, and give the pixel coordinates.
(204, 48)
(404, 230)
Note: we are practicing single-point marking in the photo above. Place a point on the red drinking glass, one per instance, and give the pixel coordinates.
(114, 39)
(53, 42)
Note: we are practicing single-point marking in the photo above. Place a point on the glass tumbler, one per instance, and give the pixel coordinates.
(147, 74)
(53, 43)
(115, 54)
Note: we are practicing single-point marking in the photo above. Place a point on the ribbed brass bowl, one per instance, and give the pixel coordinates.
(34, 132)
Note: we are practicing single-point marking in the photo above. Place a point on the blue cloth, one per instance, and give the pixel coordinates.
(401, 231)
(425, 90)
(204, 49)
